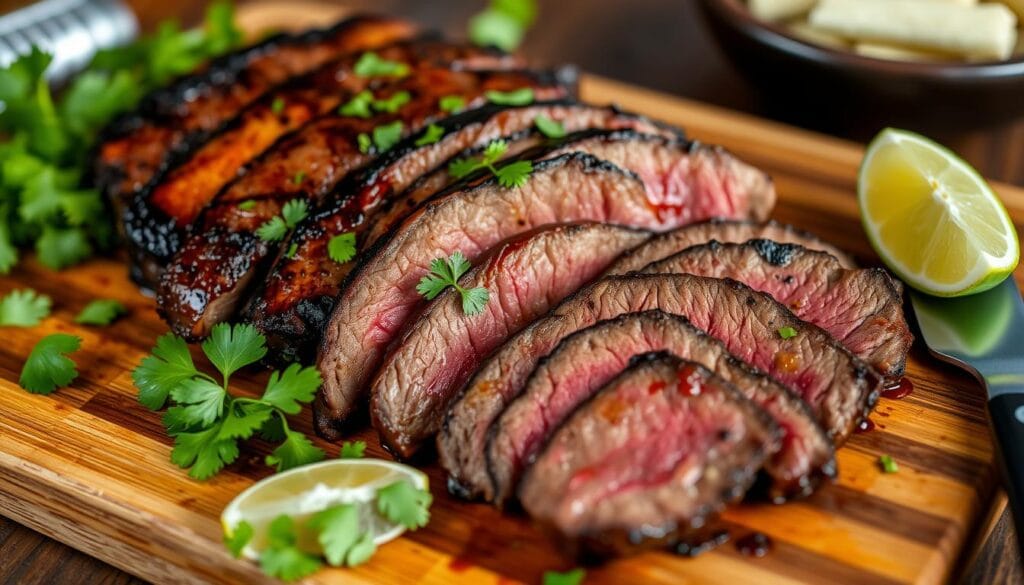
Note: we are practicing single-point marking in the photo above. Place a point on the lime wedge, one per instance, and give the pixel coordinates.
(304, 491)
(932, 218)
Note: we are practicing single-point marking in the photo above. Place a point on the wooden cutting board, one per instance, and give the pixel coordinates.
(89, 466)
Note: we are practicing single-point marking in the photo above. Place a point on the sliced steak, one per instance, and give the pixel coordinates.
(296, 298)
(650, 460)
(839, 388)
(669, 243)
(860, 308)
(203, 284)
(374, 326)
(441, 349)
(177, 116)
(588, 359)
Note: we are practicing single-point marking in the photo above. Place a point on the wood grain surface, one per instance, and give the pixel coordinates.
(89, 466)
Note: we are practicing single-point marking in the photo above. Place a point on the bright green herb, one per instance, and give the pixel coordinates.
(206, 421)
(292, 249)
(101, 312)
(404, 504)
(298, 178)
(365, 143)
(240, 536)
(549, 127)
(451, 103)
(392, 104)
(48, 367)
(247, 205)
(343, 543)
(283, 558)
(342, 248)
(432, 134)
(387, 135)
(277, 106)
(510, 175)
(787, 332)
(573, 577)
(352, 450)
(23, 308)
(888, 464)
(371, 65)
(46, 140)
(517, 97)
(445, 272)
(358, 106)
(503, 24)
(277, 227)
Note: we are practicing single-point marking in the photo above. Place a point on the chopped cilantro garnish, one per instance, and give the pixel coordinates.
(277, 227)
(352, 449)
(292, 249)
(284, 558)
(23, 308)
(404, 504)
(358, 106)
(341, 537)
(298, 178)
(503, 24)
(888, 464)
(247, 205)
(787, 332)
(432, 134)
(451, 103)
(510, 175)
(240, 536)
(101, 312)
(370, 64)
(277, 106)
(444, 273)
(365, 143)
(549, 127)
(573, 577)
(342, 248)
(392, 104)
(387, 135)
(517, 97)
(48, 367)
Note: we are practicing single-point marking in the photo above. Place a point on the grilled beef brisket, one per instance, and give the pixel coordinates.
(650, 460)
(669, 243)
(181, 115)
(202, 284)
(441, 349)
(587, 360)
(860, 308)
(296, 298)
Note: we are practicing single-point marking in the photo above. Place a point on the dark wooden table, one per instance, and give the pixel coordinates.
(659, 44)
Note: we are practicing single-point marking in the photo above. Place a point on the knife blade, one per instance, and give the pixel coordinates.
(984, 335)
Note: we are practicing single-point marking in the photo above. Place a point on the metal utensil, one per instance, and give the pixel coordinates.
(71, 30)
(984, 334)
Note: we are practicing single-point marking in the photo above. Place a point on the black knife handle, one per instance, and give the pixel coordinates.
(1007, 412)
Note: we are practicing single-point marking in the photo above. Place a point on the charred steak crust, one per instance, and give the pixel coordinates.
(176, 117)
(195, 292)
(586, 360)
(441, 348)
(860, 308)
(649, 460)
(729, 231)
(295, 300)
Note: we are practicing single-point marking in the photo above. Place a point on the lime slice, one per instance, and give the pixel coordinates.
(932, 218)
(304, 491)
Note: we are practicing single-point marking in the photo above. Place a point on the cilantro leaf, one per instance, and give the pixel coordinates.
(231, 347)
(219, 25)
(548, 127)
(386, 136)
(451, 103)
(272, 230)
(277, 106)
(204, 401)
(240, 536)
(463, 167)
(247, 205)
(61, 247)
(23, 308)
(517, 97)
(296, 450)
(244, 419)
(503, 24)
(340, 537)
(290, 389)
(364, 142)
(352, 450)
(474, 300)
(283, 558)
(573, 577)
(8, 253)
(392, 104)
(514, 174)
(888, 464)
(342, 248)
(358, 106)
(404, 504)
(169, 365)
(100, 312)
(432, 134)
(295, 211)
(297, 180)
(47, 367)
(494, 150)
(445, 272)
(787, 332)
(203, 452)
(370, 64)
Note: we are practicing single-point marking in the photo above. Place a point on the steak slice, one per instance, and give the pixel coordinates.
(669, 243)
(440, 350)
(860, 308)
(839, 388)
(202, 285)
(348, 361)
(296, 298)
(588, 359)
(650, 460)
(181, 114)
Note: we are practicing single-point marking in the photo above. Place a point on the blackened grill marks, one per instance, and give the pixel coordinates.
(324, 152)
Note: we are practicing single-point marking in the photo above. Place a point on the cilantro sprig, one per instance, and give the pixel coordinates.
(101, 312)
(371, 64)
(23, 308)
(382, 139)
(206, 420)
(503, 24)
(46, 138)
(342, 248)
(444, 273)
(277, 227)
(48, 367)
(511, 175)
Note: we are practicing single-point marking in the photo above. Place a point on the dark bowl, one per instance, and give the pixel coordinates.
(841, 90)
